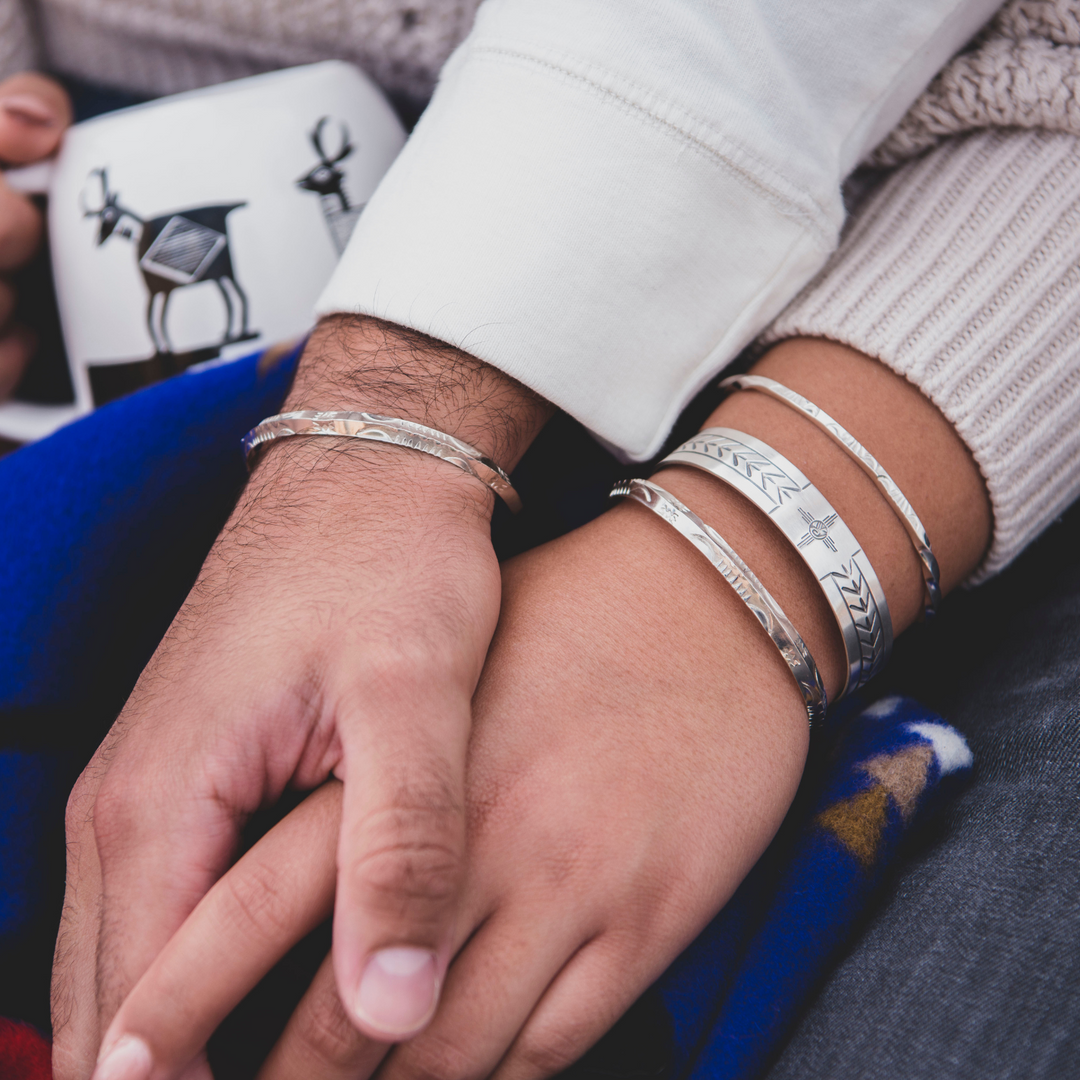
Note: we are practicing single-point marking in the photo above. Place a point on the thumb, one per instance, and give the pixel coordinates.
(34, 111)
(400, 861)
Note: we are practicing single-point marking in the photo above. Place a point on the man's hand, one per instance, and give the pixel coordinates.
(34, 111)
(338, 627)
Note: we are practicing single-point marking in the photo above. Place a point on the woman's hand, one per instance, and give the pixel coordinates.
(34, 111)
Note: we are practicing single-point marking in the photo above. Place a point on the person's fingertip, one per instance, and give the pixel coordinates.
(128, 1058)
(34, 111)
(31, 110)
(398, 992)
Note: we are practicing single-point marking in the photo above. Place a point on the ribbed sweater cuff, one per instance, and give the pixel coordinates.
(962, 273)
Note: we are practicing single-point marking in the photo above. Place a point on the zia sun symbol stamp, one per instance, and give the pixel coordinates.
(817, 529)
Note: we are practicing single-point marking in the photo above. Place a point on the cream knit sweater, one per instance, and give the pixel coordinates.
(962, 272)
(164, 46)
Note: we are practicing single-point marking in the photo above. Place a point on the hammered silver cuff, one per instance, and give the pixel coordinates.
(813, 527)
(741, 578)
(868, 463)
(386, 429)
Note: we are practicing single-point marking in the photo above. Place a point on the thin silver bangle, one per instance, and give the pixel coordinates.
(869, 465)
(742, 579)
(385, 429)
(814, 529)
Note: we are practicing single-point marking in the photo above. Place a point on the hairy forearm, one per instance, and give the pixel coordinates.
(325, 491)
(338, 626)
(357, 363)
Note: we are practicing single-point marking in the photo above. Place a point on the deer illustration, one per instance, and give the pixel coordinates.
(326, 180)
(174, 251)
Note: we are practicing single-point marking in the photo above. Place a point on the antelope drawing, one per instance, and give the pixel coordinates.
(327, 181)
(174, 251)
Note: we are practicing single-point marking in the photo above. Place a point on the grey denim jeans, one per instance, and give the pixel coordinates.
(969, 966)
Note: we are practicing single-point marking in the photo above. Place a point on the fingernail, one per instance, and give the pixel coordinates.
(128, 1059)
(398, 990)
(29, 109)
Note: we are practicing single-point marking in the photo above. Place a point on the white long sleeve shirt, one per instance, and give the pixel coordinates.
(607, 199)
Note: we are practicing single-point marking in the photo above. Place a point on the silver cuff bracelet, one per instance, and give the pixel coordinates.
(868, 463)
(813, 527)
(741, 578)
(385, 429)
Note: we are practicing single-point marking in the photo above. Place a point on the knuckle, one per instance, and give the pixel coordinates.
(114, 816)
(435, 1058)
(563, 865)
(20, 229)
(257, 901)
(408, 873)
(78, 810)
(401, 663)
(326, 1036)
(410, 856)
(547, 1052)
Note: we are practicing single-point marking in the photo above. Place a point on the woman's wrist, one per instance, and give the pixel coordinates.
(646, 583)
(909, 437)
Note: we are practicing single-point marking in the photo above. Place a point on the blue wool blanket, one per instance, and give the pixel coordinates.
(104, 528)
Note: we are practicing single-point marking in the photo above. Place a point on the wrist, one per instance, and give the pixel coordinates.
(774, 562)
(654, 586)
(910, 438)
(366, 487)
(363, 364)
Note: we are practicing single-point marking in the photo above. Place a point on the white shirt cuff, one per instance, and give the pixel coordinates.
(607, 202)
(511, 257)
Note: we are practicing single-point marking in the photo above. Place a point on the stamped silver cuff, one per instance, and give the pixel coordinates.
(815, 530)
(741, 578)
(386, 429)
(868, 463)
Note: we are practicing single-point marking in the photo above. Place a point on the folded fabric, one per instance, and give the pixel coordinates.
(24, 1053)
(735, 993)
(106, 525)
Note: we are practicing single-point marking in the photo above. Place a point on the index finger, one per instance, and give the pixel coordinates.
(275, 895)
(34, 112)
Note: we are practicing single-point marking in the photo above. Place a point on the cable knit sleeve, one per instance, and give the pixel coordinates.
(962, 273)
(18, 51)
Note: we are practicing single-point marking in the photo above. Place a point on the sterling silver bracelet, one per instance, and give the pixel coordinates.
(385, 429)
(741, 578)
(813, 527)
(868, 463)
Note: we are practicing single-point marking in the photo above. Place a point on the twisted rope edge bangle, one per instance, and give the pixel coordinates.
(742, 579)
